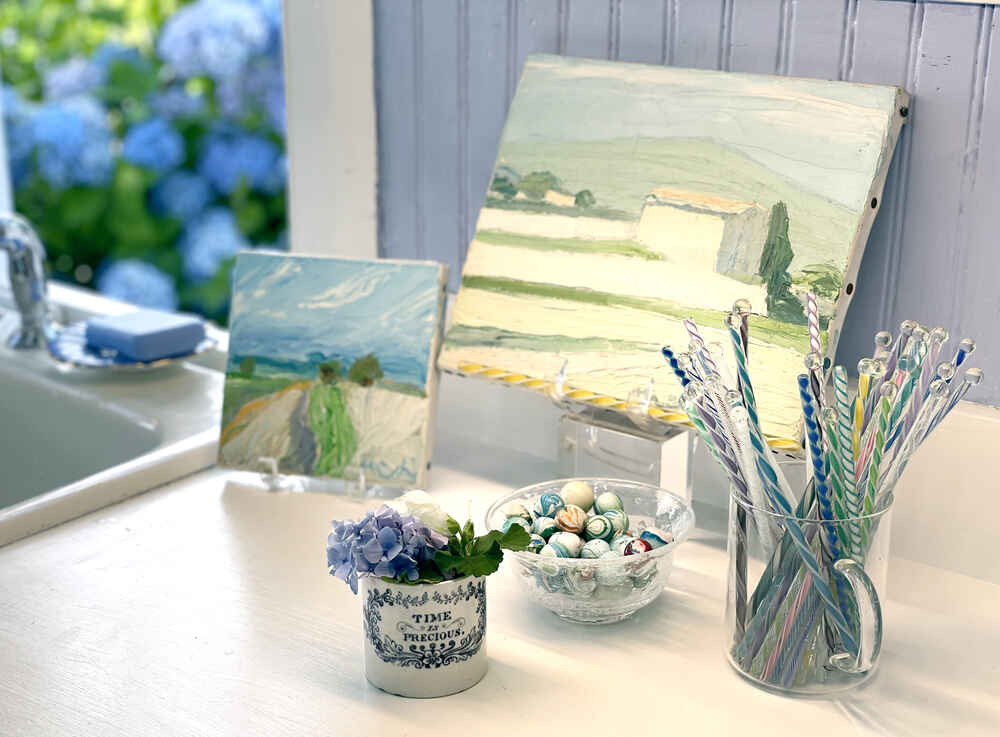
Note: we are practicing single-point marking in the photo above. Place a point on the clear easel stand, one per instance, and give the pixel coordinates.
(271, 479)
(594, 441)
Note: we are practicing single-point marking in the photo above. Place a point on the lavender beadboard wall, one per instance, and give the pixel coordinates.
(445, 72)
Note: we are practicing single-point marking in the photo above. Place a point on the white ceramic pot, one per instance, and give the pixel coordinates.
(425, 640)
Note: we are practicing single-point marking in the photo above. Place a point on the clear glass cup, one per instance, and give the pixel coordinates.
(802, 605)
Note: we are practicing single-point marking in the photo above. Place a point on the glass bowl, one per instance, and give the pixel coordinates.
(598, 591)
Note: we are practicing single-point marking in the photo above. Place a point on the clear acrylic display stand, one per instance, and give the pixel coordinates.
(629, 444)
(270, 479)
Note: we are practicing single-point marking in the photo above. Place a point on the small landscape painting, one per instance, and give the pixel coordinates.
(629, 197)
(331, 367)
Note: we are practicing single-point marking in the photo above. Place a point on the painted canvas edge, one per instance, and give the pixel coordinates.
(703, 72)
(860, 243)
(433, 373)
(334, 257)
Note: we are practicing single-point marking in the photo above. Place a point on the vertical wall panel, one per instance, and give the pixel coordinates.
(882, 41)
(523, 37)
(821, 31)
(591, 28)
(886, 44)
(977, 297)
(939, 120)
(395, 43)
(643, 31)
(755, 36)
(441, 143)
(544, 21)
(485, 106)
(446, 71)
(698, 35)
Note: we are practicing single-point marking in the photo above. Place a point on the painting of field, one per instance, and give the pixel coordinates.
(331, 367)
(628, 197)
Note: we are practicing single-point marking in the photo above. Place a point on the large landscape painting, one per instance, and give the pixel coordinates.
(628, 197)
(331, 367)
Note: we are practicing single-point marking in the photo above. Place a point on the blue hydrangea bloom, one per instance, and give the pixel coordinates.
(138, 282)
(384, 543)
(207, 241)
(154, 144)
(214, 38)
(271, 12)
(176, 102)
(77, 76)
(73, 142)
(19, 132)
(181, 194)
(261, 88)
(228, 159)
(271, 96)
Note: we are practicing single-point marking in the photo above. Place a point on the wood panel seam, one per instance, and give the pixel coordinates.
(614, 29)
(970, 161)
(462, 99)
(848, 39)
(726, 36)
(786, 23)
(418, 126)
(890, 283)
(562, 33)
(510, 78)
(669, 40)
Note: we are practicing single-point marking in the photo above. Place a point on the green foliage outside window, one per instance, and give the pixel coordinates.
(145, 140)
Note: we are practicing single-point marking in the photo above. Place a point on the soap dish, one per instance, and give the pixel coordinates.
(68, 345)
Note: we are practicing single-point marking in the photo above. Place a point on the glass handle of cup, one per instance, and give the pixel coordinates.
(869, 634)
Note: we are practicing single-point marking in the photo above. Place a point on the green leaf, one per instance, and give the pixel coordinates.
(114, 16)
(251, 217)
(429, 572)
(129, 81)
(480, 564)
(485, 542)
(516, 538)
(468, 537)
(82, 207)
(468, 555)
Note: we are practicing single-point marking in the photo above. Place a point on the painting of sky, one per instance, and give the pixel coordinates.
(331, 368)
(578, 100)
(291, 307)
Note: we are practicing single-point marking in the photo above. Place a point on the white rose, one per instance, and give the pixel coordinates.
(422, 505)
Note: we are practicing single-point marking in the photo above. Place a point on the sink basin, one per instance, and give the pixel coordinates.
(75, 440)
(53, 442)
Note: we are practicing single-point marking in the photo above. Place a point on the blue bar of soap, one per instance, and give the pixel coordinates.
(146, 335)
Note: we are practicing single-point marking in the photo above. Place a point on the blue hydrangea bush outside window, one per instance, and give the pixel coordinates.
(146, 141)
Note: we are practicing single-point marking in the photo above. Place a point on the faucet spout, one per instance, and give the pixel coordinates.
(26, 269)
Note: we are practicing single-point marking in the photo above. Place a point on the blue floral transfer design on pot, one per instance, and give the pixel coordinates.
(455, 645)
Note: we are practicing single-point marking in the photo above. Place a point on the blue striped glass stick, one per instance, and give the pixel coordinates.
(794, 529)
(966, 346)
(671, 360)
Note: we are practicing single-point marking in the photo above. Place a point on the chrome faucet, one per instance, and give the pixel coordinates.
(26, 270)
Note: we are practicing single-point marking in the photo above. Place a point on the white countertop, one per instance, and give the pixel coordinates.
(205, 608)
